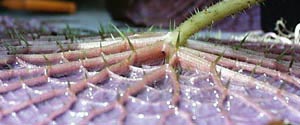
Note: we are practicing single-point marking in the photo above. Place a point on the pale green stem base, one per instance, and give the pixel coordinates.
(207, 17)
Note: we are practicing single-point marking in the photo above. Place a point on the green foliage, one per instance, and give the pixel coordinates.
(150, 29)
(129, 29)
(124, 37)
(101, 32)
(177, 45)
(237, 47)
(70, 33)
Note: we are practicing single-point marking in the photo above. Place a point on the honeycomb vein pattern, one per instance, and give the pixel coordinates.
(151, 85)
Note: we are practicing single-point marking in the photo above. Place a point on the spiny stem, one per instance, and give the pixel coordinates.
(207, 17)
